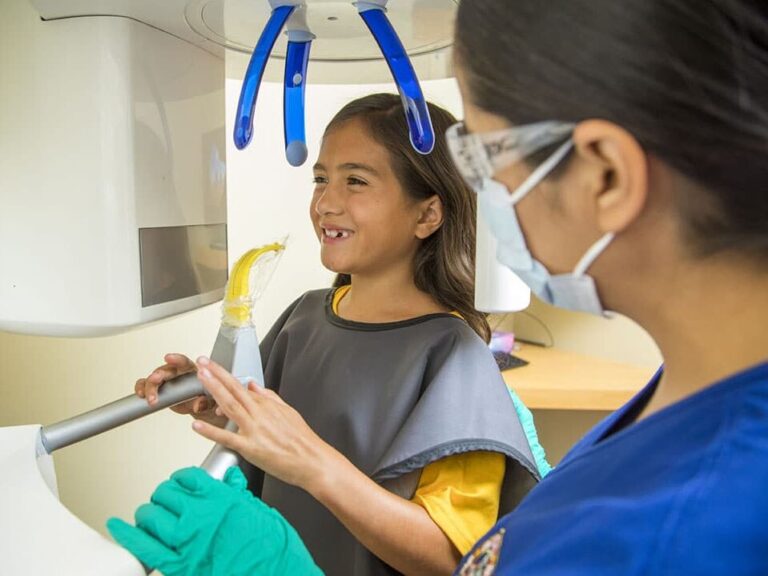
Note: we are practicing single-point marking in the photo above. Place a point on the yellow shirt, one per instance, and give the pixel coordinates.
(460, 493)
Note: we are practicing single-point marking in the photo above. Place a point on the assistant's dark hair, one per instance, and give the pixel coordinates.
(688, 78)
(445, 262)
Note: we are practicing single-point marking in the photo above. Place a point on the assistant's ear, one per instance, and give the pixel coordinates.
(619, 168)
(430, 217)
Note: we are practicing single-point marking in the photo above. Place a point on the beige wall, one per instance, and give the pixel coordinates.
(618, 339)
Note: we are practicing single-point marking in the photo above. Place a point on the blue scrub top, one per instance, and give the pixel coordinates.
(684, 491)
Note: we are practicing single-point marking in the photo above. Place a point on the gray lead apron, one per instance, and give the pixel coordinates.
(392, 398)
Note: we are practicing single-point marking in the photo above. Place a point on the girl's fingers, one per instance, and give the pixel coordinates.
(220, 436)
(162, 374)
(175, 365)
(228, 402)
(156, 379)
(232, 384)
(201, 404)
(147, 387)
(262, 392)
(182, 363)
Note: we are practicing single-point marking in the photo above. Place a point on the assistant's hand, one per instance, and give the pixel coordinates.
(198, 526)
(271, 435)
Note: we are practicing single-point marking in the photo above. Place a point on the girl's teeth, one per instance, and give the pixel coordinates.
(337, 234)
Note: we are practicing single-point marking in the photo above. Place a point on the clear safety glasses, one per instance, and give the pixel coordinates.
(482, 155)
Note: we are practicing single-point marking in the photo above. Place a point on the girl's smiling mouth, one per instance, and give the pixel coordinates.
(333, 235)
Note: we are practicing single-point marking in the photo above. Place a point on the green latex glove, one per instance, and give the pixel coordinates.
(526, 419)
(196, 525)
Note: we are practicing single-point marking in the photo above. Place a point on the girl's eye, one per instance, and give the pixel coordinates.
(352, 181)
(320, 180)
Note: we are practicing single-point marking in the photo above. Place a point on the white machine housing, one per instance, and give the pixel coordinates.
(498, 290)
(112, 173)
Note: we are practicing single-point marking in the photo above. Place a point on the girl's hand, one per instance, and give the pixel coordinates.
(176, 365)
(274, 437)
(271, 435)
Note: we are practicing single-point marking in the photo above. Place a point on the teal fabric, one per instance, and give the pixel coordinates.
(526, 419)
(196, 525)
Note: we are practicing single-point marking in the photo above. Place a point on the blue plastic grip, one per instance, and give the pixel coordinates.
(296, 61)
(250, 90)
(416, 112)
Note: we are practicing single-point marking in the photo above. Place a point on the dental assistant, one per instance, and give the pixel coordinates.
(627, 147)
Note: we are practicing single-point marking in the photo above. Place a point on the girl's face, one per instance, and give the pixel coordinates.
(363, 218)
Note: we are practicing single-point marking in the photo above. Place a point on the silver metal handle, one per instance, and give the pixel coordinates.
(117, 413)
(220, 459)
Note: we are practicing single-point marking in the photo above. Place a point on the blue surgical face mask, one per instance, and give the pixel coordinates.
(575, 291)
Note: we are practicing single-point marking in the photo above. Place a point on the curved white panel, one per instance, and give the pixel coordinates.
(340, 51)
(424, 26)
(38, 535)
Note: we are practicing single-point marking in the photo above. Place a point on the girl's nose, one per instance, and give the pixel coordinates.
(329, 201)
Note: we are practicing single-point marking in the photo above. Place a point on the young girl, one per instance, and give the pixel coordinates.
(393, 444)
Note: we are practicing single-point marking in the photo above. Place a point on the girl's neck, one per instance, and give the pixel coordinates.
(386, 297)
(709, 322)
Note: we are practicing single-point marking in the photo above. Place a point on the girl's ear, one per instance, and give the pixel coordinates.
(430, 217)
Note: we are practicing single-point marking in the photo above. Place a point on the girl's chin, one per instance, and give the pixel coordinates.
(335, 266)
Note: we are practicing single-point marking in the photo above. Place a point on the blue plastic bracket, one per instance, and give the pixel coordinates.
(294, 86)
(422, 134)
(247, 103)
(293, 102)
(293, 12)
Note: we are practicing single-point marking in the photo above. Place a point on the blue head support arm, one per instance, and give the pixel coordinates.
(296, 59)
(250, 90)
(293, 12)
(373, 13)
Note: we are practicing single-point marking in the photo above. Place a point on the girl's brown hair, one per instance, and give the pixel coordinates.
(444, 266)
